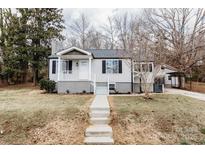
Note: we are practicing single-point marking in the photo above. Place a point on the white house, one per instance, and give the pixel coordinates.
(97, 71)
(100, 71)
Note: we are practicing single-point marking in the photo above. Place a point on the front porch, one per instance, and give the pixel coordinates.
(74, 65)
(74, 69)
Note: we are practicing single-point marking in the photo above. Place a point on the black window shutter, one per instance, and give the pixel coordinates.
(103, 67)
(53, 67)
(120, 66)
(70, 65)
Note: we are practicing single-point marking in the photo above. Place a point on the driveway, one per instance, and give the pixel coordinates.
(196, 95)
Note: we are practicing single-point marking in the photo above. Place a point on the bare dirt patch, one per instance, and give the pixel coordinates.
(60, 131)
(167, 119)
(27, 116)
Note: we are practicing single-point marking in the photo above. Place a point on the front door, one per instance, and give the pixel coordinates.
(83, 69)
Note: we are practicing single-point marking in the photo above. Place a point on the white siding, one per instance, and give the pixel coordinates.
(125, 76)
(74, 76)
(70, 76)
(96, 68)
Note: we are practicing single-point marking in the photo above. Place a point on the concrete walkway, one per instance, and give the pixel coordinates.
(196, 95)
(99, 132)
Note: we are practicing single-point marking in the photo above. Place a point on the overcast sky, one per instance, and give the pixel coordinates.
(97, 16)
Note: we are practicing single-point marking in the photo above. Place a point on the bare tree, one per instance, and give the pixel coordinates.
(142, 55)
(95, 39)
(125, 26)
(110, 34)
(183, 30)
(80, 29)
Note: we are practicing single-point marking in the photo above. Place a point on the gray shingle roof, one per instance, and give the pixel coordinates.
(106, 53)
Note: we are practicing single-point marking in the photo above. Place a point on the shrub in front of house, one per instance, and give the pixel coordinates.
(48, 85)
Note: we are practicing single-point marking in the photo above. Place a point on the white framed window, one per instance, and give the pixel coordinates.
(54, 66)
(143, 67)
(112, 66)
(67, 66)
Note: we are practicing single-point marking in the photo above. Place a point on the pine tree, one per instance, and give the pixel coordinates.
(44, 25)
(25, 38)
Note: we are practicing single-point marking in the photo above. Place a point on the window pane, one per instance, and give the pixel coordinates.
(144, 67)
(115, 66)
(150, 67)
(70, 66)
(109, 66)
(112, 66)
(53, 67)
(67, 65)
(63, 66)
(137, 67)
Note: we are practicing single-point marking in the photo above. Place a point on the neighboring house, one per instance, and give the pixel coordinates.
(168, 75)
(99, 71)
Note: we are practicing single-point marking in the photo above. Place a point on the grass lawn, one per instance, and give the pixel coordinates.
(165, 119)
(29, 117)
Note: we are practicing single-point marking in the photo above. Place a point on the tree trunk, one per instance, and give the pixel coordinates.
(35, 76)
(24, 76)
(190, 84)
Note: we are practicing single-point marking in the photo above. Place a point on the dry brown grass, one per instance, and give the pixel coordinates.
(166, 119)
(196, 86)
(27, 116)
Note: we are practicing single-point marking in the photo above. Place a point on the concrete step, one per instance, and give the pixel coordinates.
(95, 114)
(99, 131)
(99, 120)
(99, 140)
(99, 108)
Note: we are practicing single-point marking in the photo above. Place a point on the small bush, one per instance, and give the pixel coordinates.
(202, 142)
(42, 84)
(47, 85)
(67, 91)
(84, 91)
(202, 130)
(184, 143)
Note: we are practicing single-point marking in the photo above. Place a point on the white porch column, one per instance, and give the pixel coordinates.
(89, 68)
(59, 64)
